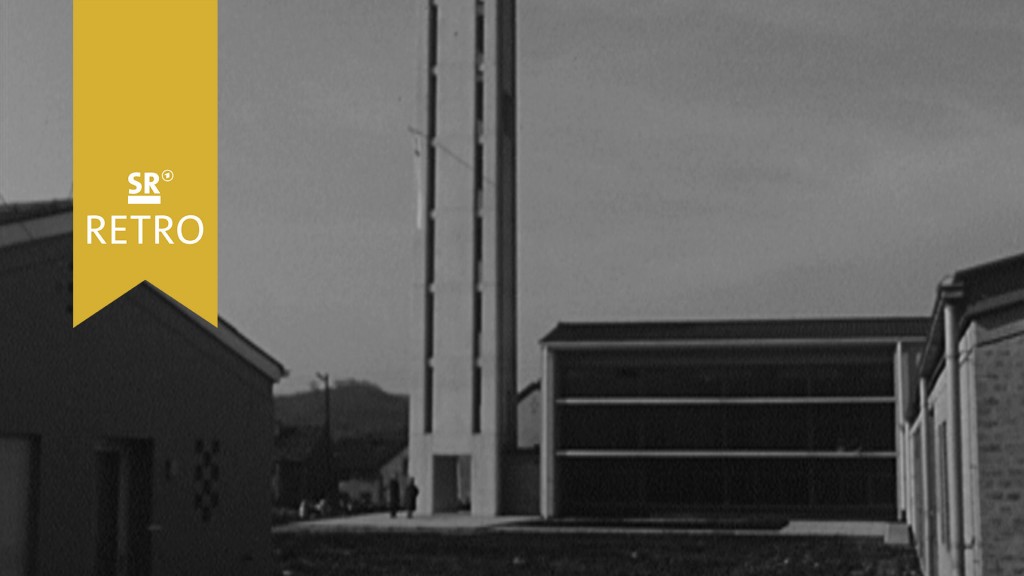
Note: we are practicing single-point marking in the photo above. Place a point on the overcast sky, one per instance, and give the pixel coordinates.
(678, 160)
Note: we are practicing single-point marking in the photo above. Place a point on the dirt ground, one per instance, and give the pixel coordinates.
(522, 554)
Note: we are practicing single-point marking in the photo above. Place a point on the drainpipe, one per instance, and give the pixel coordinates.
(951, 294)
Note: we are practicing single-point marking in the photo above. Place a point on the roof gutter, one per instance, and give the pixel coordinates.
(727, 343)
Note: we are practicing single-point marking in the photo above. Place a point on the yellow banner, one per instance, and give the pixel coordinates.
(145, 152)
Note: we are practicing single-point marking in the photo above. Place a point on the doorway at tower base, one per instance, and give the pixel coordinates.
(520, 483)
(453, 483)
(451, 488)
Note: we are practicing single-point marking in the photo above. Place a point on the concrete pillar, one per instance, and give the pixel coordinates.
(547, 439)
(465, 375)
(900, 362)
(950, 294)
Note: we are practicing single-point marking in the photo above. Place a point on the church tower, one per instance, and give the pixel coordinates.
(463, 398)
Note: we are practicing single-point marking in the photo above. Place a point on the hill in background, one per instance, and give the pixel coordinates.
(359, 409)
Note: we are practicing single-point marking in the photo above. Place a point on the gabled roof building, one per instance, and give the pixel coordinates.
(139, 442)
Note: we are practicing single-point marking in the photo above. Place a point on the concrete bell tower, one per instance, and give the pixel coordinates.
(463, 401)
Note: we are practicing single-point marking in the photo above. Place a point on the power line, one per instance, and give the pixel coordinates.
(438, 146)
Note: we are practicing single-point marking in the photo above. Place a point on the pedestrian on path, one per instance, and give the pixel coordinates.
(411, 492)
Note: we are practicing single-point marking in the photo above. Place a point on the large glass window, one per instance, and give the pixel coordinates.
(804, 430)
(736, 372)
(17, 463)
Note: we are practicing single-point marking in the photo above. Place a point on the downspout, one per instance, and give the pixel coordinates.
(950, 294)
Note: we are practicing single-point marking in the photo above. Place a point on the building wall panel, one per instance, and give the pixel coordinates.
(999, 377)
(139, 369)
(806, 431)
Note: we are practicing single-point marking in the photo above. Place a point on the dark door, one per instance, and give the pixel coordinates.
(123, 495)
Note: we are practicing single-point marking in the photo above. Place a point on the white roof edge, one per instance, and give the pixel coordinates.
(53, 225)
(723, 343)
(230, 338)
(39, 228)
(248, 351)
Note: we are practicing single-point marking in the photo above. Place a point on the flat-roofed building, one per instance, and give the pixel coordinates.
(796, 417)
(964, 463)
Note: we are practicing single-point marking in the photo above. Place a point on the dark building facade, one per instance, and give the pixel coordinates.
(791, 417)
(139, 442)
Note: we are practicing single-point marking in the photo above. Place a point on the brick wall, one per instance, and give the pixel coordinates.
(1000, 420)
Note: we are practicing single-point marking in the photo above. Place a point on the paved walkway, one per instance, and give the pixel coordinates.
(383, 522)
(895, 534)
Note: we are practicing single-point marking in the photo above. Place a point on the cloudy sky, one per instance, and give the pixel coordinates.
(678, 160)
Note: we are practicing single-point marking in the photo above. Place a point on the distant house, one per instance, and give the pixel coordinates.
(360, 464)
(300, 465)
(398, 468)
(528, 417)
(139, 442)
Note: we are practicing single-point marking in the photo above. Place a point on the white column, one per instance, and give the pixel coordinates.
(956, 509)
(547, 438)
(901, 375)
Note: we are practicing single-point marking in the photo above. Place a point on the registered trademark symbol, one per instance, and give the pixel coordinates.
(167, 175)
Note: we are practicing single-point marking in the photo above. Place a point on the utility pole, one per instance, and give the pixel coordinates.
(325, 377)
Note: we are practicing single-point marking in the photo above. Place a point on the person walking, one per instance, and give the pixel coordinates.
(393, 496)
(411, 492)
